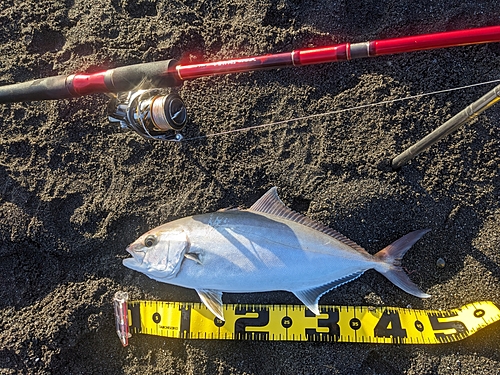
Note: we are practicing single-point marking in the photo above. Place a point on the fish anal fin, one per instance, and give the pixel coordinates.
(311, 296)
(213, 301)
(270, 203)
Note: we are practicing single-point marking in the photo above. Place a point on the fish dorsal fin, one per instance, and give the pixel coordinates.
(270, 203)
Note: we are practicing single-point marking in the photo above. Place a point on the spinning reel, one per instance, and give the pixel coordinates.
(153, 114)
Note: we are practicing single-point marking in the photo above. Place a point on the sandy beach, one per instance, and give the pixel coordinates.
(75, 190)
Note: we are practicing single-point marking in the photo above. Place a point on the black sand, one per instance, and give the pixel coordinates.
(75, 190)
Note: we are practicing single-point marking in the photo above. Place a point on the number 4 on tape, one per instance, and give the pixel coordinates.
(386, 325)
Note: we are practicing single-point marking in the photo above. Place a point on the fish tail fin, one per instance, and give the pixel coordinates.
(392, 256)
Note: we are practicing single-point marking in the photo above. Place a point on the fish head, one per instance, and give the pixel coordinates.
(158, 253)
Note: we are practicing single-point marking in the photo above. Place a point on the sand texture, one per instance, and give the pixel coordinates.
(76, 190)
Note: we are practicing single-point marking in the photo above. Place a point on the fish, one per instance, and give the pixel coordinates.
(267, 247)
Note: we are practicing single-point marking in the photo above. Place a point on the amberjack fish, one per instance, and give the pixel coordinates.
(264, 248)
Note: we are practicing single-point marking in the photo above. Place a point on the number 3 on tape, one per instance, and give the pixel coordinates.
(386, 325)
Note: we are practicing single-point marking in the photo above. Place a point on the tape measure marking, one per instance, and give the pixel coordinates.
(360, 324)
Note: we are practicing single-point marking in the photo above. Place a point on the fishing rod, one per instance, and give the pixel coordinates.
(140, 102)
(468, 113)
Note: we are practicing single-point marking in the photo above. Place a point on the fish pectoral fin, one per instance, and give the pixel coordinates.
(212, 300)
(193, 256)
(311, 296)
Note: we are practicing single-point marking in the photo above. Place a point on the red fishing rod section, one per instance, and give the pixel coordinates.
(343, 52)
(169, 73)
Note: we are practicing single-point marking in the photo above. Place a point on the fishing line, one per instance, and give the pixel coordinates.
(363, 106)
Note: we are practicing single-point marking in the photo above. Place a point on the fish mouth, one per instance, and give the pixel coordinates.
(137, 255)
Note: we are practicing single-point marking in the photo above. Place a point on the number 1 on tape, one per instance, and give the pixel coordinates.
(361, 324)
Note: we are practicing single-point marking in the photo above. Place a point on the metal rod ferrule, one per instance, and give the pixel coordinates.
(471, 111)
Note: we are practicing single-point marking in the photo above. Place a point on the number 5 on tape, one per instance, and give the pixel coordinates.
(385, 325)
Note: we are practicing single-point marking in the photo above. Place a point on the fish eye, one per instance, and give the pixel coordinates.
(150, 240)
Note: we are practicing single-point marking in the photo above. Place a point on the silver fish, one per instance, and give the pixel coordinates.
(267, 247)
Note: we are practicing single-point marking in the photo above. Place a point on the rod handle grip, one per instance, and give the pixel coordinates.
(40, 89)
(143, 76)
(126, 78)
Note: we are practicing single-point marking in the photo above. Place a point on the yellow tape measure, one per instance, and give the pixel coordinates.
(360, 324)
